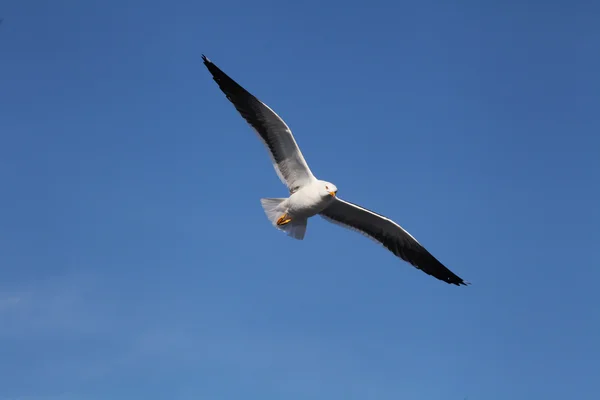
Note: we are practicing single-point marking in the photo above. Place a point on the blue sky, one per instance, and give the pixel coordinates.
(136, 261)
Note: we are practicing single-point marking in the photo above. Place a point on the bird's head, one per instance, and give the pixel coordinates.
(327, 189)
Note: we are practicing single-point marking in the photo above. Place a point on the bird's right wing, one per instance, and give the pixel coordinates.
(287, 159)
(389, 234)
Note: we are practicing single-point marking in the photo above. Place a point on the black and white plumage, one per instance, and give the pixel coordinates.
(389, 234)
(287, 158)
(310, 196)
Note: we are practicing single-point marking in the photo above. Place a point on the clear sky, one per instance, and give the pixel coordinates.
(136, 261)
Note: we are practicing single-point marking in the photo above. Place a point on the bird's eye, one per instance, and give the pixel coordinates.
(326, 187)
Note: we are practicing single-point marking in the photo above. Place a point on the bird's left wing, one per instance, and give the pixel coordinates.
(389, 234)
(285, 154)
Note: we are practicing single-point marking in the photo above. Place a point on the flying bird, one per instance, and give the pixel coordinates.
(310, 196)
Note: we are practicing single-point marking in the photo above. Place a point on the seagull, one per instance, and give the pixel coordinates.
(310, 196)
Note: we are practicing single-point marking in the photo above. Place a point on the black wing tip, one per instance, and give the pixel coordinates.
(458, 282)
(216, 73)
(209, 64)
(214, 70)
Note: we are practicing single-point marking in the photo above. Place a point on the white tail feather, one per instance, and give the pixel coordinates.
(296, 228)
(272, 207)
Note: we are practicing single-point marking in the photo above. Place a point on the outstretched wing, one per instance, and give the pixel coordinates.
(272, 130)
(391, 235)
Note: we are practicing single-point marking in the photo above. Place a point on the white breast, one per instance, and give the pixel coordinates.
(307, 202)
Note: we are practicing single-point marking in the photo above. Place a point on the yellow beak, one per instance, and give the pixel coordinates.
(332, 194)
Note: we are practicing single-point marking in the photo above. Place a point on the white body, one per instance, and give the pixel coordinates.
(307, 201)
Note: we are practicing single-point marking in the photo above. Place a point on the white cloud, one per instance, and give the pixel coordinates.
(54, 306)
(9, 301)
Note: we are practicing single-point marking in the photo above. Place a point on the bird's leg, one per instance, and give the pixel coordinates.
(284, 219)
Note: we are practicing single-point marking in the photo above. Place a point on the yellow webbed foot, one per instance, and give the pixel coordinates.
(284, 219)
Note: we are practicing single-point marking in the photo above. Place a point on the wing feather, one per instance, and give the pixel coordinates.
(284, 152)
(389, 234)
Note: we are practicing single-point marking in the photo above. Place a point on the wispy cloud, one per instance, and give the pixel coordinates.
(292, 363)
(68, 336)
(48, 331)
(9, 301)
(43, 308)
